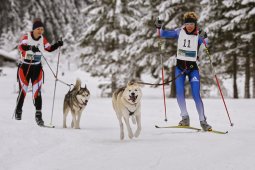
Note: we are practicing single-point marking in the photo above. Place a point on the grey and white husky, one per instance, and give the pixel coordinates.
(75, 101)
(127, 103)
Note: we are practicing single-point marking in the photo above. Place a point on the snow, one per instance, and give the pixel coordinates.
(228, 3)
(11, 55)
(244, 2)
(25, 146)
(248, 37)
(252, 12)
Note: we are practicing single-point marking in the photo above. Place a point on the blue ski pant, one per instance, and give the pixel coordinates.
(194, 80)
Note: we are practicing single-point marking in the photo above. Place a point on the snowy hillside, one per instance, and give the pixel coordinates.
(96, 146)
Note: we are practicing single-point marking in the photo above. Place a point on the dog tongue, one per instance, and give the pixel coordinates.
(133, 98)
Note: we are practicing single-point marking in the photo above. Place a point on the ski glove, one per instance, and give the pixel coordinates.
(158, 23)
(60, 43)
(34, 49)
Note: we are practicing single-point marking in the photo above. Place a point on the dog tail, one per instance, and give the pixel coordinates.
(133, 119)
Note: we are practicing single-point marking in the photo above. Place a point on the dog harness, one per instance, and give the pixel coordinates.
(131, 113)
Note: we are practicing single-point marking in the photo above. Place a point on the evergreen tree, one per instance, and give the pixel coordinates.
(109, 33)
(221, 40)
(60, 17)
(240, 15)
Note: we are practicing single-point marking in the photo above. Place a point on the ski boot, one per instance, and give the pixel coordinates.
(38, 118)
(205, 126)
(184, 121)
(18, 114)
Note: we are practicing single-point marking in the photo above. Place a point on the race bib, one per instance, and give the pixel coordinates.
(187, 46)
(29, 57)
(37, 57)
(186, 53)
(33, 57)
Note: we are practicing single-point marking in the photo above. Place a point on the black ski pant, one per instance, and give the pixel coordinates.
(34, 73)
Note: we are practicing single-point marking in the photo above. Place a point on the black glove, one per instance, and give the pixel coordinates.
(57, 44)
(158, 23)
(60, 43)
(203, 34)
(34, 49)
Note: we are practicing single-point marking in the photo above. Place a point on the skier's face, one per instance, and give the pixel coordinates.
(190, 27)
(38, 32)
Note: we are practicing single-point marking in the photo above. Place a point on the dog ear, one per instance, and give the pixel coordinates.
(130, 83)
(77, 84)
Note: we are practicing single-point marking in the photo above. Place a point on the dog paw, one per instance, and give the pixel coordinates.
(137, 133)
(130, 135)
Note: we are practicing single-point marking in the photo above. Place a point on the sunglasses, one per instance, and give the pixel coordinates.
(190, 24)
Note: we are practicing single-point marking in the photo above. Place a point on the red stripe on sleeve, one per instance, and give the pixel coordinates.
(46, 44)
(24, 37)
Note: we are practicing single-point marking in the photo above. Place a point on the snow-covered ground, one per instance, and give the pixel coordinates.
(96, 146)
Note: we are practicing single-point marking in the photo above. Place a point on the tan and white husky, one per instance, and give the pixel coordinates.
(127, 103)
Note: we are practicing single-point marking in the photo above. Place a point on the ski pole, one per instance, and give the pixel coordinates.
(218, 84)
(55, 87)
(48, 65)
(61, 81)
(163, 86)
(162, 72)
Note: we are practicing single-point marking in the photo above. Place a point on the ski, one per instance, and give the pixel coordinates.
(218, 132)
(47, 126)
(182, 127)
(193, 128)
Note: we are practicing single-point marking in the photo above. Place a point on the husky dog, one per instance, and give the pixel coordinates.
(75, 100)
(126, 103)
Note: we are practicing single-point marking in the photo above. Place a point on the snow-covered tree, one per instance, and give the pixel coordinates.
(61, 18)
(230, 24)
(110, 25)
(240, 15)
(221, 40)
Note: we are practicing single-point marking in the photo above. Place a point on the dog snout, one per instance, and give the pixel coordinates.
(132, 93)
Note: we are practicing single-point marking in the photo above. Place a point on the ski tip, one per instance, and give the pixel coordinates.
(226, 132)
(219, 132)
(156, 126)
(52, 126)
(48, 126)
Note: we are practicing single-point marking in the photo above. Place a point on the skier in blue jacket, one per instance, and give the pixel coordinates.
(190, 42)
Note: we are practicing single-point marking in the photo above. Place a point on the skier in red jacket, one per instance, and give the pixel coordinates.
(30, 68)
